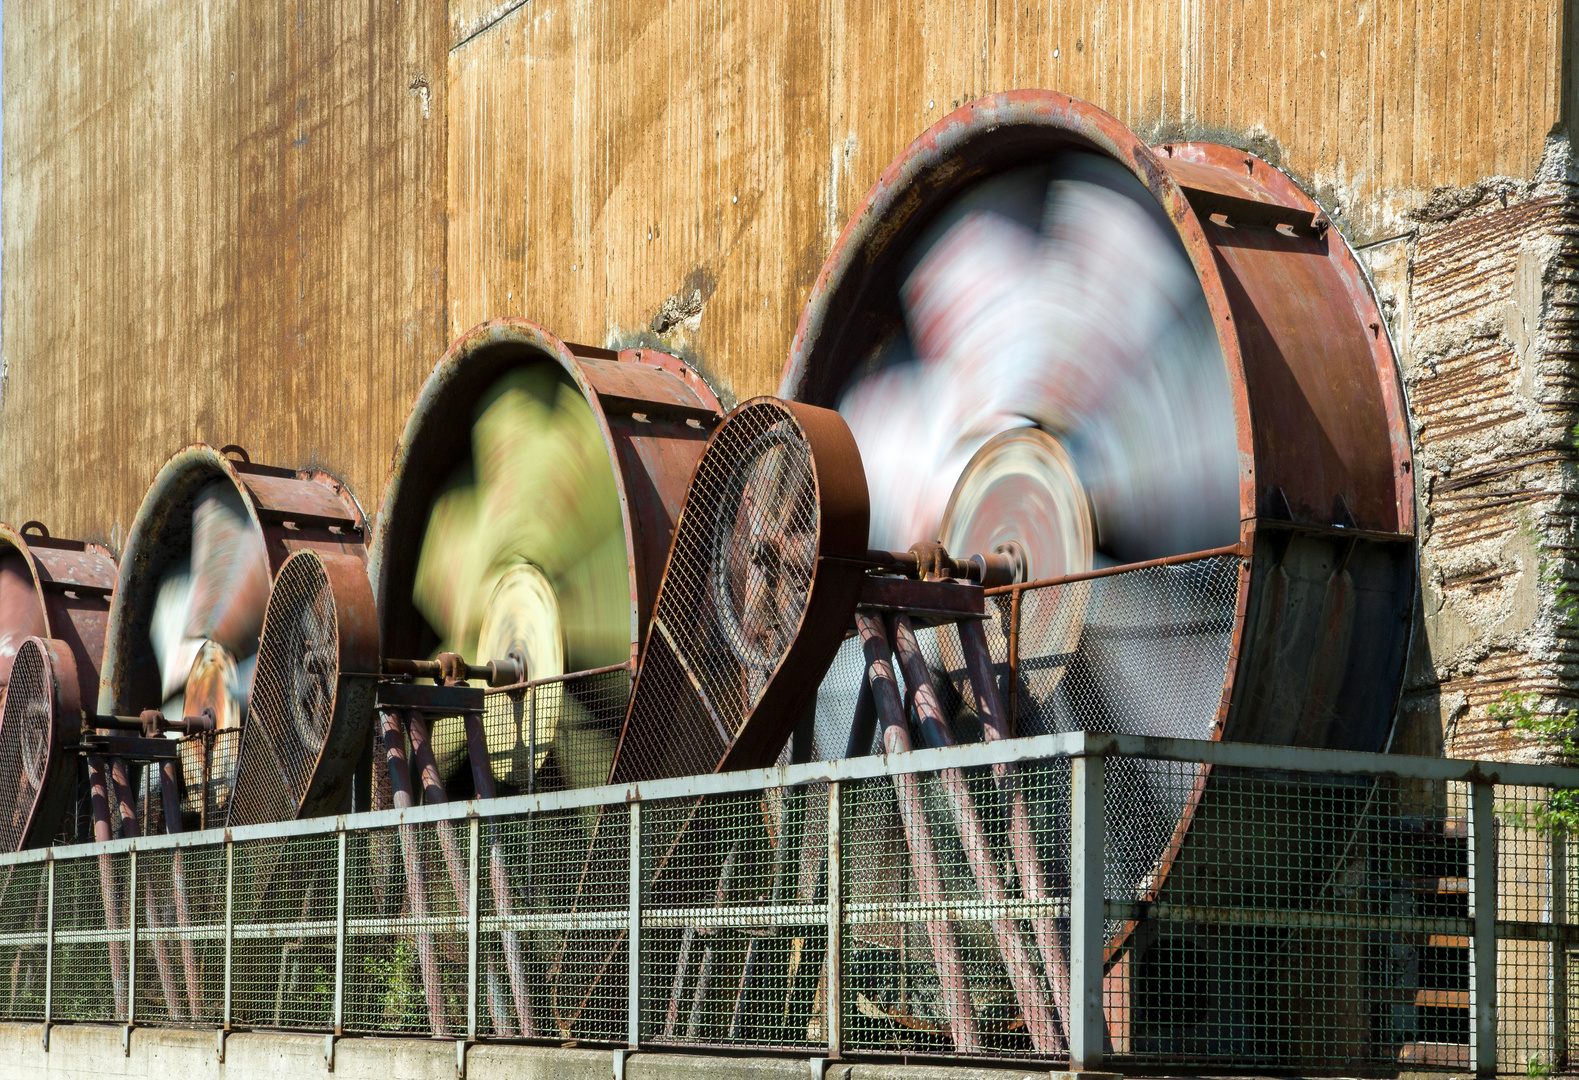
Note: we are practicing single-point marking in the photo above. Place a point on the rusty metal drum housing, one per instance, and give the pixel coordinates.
(1326, 495)
(291, 510)
(654, 414)
(60, 590)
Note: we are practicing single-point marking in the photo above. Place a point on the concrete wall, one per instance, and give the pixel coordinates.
(235, 226)
(93, 1052)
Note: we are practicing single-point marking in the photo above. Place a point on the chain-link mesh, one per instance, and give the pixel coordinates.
(24, 916)
(208, 772)
(285, 896)
(735, 919)
(293, 695)
(739, 576)
(26, 734)
(90, 907)
(180, 936)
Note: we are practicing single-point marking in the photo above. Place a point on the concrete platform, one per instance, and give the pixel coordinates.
(97, 1052)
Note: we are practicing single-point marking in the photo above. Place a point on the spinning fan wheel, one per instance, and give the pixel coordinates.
(1081, 340)
(527, 518)
(200, 559)
(1056, 343)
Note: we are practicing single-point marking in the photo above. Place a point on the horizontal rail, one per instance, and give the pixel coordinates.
(1114, 571)
(974, 755)
(750, 918)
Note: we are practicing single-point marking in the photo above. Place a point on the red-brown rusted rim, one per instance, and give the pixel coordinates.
(86, 650)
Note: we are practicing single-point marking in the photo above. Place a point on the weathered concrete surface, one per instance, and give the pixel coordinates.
(264, 228)
(1482, 294)
(93, 1051)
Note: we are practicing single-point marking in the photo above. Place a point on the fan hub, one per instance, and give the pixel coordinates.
(1020, 494)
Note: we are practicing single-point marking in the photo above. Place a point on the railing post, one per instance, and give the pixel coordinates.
(472, 915)
(1087, 826)
(633, 934)
(1483, 940)
(230, 922)
(834, 999)
(49, 945)
(339, 936)
(1559, 880)
(131, 943)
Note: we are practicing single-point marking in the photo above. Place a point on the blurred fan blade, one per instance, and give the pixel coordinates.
(230, 572)
(1089, 324)
(208, 611)
(525, 549)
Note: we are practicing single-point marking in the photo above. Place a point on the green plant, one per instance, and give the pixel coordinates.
(1537, 1069)
(400, 993)
(1560, 811)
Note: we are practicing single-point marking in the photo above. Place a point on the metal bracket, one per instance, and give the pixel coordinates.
(219, 1044)
(819, 1067)
(619, 1064)
(126, 1040)
(460, 1058)
(328, 1051)
(45, 1035)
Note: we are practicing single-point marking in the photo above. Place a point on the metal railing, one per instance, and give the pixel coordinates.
(1322, 909)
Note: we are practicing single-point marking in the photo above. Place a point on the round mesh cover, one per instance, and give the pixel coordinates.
(738, 632)
(293, 697)
(27, 729)
(763, 545)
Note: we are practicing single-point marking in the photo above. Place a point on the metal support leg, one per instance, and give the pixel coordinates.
(633, 934)
(1086, 863)
(49, 948)
(1483, 940)
(230, 931)
(475, 838)
(834, 999)
(1559, 880)
(131, 946)
(339, 938)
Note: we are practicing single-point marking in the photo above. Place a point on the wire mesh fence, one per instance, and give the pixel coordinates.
(1107, 887)
(1320, 910)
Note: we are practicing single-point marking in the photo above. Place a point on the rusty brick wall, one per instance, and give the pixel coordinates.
(1481, 294)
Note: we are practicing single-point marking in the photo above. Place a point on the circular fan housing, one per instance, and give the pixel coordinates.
(529, 511)
(1319, 492)
(40, 720)
(285, 510)
(313, 697)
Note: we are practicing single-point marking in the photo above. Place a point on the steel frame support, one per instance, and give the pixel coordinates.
(1558, 874)
(1483, 939)
(339, 935)
(633, 934)
(49, 951)
(472, 915)
(131, 944)
(230, 932)
(834, 1000)
(1087, 840)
